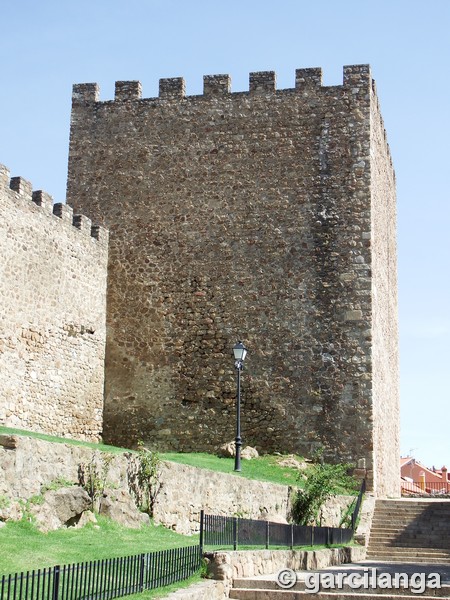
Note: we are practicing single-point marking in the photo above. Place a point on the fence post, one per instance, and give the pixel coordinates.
(292, 536)
(55, 592)
(267, 535)
(235, 533)
(141, 573)
(312, 535)
(202, 524)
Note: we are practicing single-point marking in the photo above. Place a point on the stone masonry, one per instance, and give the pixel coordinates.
(52, 316)
(266, 216)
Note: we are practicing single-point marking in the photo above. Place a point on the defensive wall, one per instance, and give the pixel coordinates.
(52, 318)
(267, 216)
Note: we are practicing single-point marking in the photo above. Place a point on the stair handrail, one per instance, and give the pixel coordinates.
(358, 503)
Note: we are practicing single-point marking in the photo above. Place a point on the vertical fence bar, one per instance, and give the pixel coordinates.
(55, 590)
(202, 522)
(141, 573)
(235, 533)
(267, 535)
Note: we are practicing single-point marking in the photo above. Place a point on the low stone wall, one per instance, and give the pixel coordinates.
(29, 463)
(186, 490)
(226, 566)
(362, 532)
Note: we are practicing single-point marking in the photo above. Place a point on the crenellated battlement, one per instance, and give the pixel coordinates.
(24, 188)
(260, 82)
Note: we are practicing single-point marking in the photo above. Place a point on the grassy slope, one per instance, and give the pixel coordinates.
(53, 438)
(264, 468)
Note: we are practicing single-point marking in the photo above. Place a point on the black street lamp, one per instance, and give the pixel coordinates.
(240, 352)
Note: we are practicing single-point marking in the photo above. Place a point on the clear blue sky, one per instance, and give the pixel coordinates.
(47, 46)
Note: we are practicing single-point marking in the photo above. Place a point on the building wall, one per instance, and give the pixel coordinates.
(385, 367)
(52, 298)
(236, 216)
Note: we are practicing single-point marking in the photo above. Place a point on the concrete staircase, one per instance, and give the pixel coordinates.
(410, 531)
(267, 589)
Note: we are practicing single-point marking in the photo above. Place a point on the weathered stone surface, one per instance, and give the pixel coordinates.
(10, 510)
(216, 493)
(8, 441)
(205, 590)
(291, 461)
(87, 517)
(53, 311)
(227, 450)
(120, 506)
(362, 533)
(279, 201)
(62, 507)
(36, 463)
(226, 566)
(273, 518)
(248, 453)
(333, 510)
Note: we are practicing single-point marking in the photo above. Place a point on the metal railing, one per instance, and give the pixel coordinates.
(236, 532)
(426, 488)
(103, 579)
(358, 503)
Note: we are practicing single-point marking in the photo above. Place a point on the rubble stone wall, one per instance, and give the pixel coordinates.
(53, 310)
(385, 356)
(253, 216)
(30, 464)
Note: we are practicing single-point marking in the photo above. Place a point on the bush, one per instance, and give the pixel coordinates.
(323, 481)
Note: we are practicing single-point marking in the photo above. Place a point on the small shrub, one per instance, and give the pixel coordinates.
(93, 476)
(323, 481)
(148, 479)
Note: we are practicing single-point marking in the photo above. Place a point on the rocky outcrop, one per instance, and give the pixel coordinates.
(120, 506)
(59, 508)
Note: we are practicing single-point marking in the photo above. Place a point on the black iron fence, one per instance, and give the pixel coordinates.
(103, 579)
(236, 532)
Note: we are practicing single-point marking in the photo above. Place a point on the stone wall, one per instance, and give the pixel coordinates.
(28, 464)
(52, 318)
(385, 361)
(205, 590)
(226, 566)
(252, 216)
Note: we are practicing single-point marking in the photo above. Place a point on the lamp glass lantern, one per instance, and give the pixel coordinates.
(240, 352)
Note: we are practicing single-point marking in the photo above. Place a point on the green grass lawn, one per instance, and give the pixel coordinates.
(61, 440)
(263, 468)
(33, 549)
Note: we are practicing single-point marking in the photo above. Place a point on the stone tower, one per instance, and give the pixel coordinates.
(267, 216)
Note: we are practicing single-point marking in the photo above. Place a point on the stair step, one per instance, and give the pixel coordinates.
(258, 594)
(420, 552)
(271, 584)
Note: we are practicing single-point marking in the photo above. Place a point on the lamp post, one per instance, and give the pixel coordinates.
(240, 352)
